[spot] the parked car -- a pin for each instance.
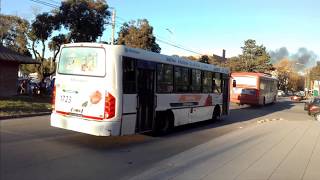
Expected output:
(290, 93)
(33, 88)
(281, 93)
(298, 96)
(313, 108)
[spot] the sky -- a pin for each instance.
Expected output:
(208, 26)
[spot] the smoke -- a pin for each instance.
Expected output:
(279, 54)
(303, 58)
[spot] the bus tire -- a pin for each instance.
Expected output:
(163, 123)
(216, 115)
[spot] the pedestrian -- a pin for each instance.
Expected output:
(23, 87)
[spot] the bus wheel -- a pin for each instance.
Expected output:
(216, 113)
(163, 124)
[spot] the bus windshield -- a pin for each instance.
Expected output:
(88, 61)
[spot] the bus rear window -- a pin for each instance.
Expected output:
(88, 61)
(248, 81)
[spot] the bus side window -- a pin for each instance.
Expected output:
(217, 83)
(129, 75)
(207, 82)
(181, 79)
(164, 78)
(195, 81)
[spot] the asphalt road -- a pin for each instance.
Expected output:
(31, 149)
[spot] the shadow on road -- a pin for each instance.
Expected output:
(237, 115)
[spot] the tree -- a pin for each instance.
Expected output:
(138, 34)
(85, 19)
(55, 44)
(204, 59)
(13, 33)
(254, 58)
(288, 77)
(233, 64)
(41, 29)
(315, 73)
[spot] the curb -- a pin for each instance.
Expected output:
(24, 115)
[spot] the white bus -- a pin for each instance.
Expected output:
(111, 90)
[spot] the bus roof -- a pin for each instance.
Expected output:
(261, 75)
(155, 57)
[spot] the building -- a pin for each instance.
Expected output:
(9, 67)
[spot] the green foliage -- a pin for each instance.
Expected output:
(138, 34)
(234, 64)
(254, 58)
(42, 27)
(47, 66)
(55, 44)
(85, 19)
(288, 78)
(204, 59)
(28, 68)
(315, 73)
(13, 33)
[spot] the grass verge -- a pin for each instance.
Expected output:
(24, 105)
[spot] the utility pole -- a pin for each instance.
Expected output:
(113, 25)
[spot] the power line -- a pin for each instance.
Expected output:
(160, 39)
(45, 3)
(123, 20)
(55, 2)
(179, 47)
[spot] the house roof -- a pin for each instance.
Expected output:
(9, 55)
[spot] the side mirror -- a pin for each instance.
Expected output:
(234, 83)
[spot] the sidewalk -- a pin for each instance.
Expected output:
(277, 150)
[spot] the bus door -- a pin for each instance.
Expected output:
(145, 96)
(225, 94)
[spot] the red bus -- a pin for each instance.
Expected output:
(253, 88)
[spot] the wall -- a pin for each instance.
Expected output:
(8, 78)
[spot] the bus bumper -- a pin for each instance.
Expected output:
(97, 128)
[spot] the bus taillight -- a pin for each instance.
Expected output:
(110, 105)
(53, 98)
